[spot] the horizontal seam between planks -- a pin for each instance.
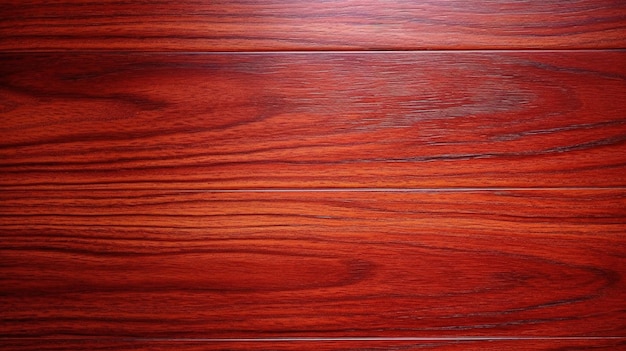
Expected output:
(307, 190)
(322, 339)
(304, 52)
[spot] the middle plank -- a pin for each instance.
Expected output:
(313, 120)
(171, 264)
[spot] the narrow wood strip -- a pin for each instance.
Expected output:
(310, 25)
(159, 264)
(452, 345)
(396, 120)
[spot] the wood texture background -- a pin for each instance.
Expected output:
(332, 175)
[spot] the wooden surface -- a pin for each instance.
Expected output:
(280, 120)
(310, 25)
(322, 175)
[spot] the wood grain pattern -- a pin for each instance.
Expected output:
(293, 175)
(451, 345)
(152, 264)
(234, 121)
(310, 25)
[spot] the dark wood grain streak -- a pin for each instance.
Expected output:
(237, 121)
(310, 25)
(452, 345)
(212, 265)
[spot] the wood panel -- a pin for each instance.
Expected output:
(293, 175)
(241, 121)
(310, 25)
(164, 264)
(617, 344)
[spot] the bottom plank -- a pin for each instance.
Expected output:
(616, 344)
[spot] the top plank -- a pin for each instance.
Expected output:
(283, 25)
(312, 120)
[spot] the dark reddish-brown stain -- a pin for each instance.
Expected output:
(335, 175)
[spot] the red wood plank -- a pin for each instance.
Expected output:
(451, 345)
(234, 121)
(189, 25)
(153, 264)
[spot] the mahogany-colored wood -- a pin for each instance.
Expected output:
(253, 175)
(293, 345)
(166, 264)
(191, 25)
(241, 121)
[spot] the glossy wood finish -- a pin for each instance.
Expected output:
(236, 121)
(310, 25)
(299, 175)
(161, 264)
